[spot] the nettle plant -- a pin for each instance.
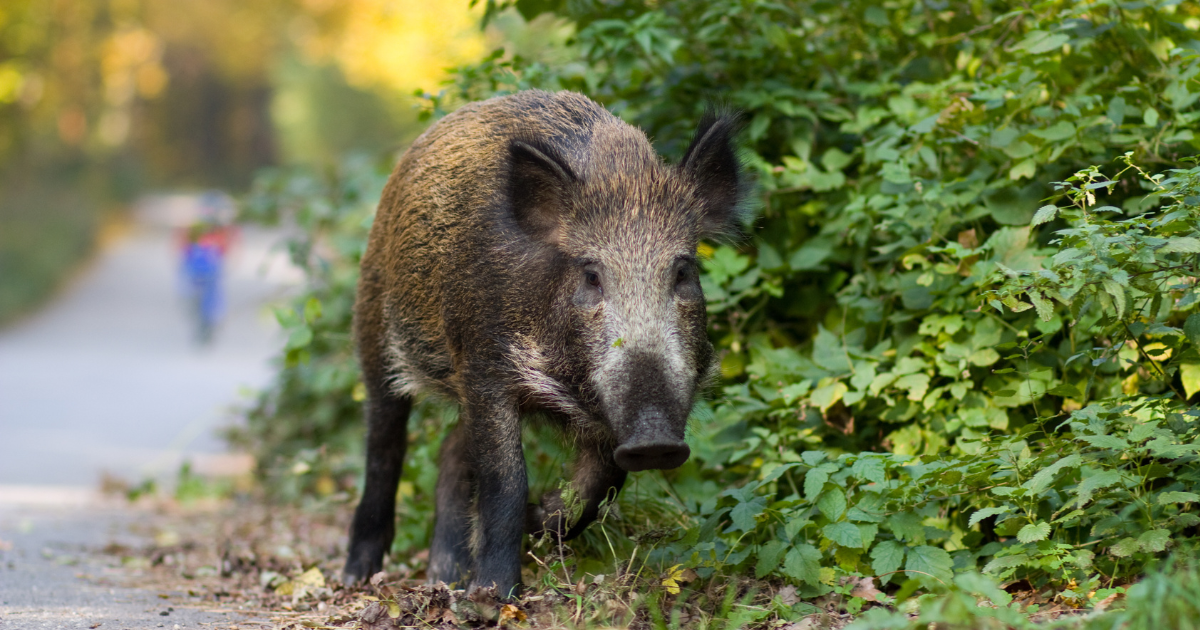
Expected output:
(1127, 284)
(1101, 483)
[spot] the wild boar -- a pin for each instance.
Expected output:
(533, 254)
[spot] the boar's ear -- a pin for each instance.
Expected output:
(538, 186)
(713, 164)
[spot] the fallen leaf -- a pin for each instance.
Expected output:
(299, 587)
(865, 588)
(508, 612)
(787, 595)
(811, 622)
(1105, 603)
(378, 578)
(967, 239)
(372, 613)
(677, 576)
(312, 578)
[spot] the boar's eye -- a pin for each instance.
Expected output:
(593, 280)
(687, 283)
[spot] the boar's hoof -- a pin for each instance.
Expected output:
(662, 454)
(360, 567)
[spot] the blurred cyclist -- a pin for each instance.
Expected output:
(204, 245)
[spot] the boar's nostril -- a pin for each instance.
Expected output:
(652, 455)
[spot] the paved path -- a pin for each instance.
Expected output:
(107, 378)
(51, 577)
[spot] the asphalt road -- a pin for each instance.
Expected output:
(52, 578)
(108, 378)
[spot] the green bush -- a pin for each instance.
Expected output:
(950, 343)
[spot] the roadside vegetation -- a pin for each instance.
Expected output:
(958, 342)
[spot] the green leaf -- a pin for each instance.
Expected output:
(1118, 295)
(1038, 42)
(1162, 447)
(926, 124)
(835, 159)
(932, 560)
(1155, 540)
(1059, 131)
(300, 338)
(1105, 441)
(825, 397)
(869, 468)
(725, 263)
(1150, 117)
(1005, 562)
(983, 357)
(769, 556)
(1034, 532)
(1178, 497)
(312, 310)
(1045, 309)
(1181, 244)
(810, 257)
(907, 526)
(983, 513)
(1098, 481)
(744, 514)
(1045, 214)
(1042, 479)
(830, 352)
(832, 503)
(1116, 110)
(1125, 547)
(814, 481)
(1191, 328)
(916, 384)
(1024, 168)
(844, 534)
(887, 556)
(803, 563)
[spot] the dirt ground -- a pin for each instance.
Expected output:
(242, 565)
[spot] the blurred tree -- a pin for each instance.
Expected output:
(105, 98)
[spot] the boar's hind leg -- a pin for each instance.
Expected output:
(374, 524)
(494, 434)
(596, 477)
(450, 551)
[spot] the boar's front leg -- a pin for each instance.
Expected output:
(374, 523)
(494, 431)
(596, 477)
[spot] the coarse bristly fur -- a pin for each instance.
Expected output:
(532, 253)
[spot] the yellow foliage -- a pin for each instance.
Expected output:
(1189, 373)
(399, 45)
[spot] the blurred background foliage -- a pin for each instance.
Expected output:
(101, 100)
(961, 334)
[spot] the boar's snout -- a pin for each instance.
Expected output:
(664, 454)
(651, 446)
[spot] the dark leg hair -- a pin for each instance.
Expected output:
(450, 551)
(494, 434)
(374, 524)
